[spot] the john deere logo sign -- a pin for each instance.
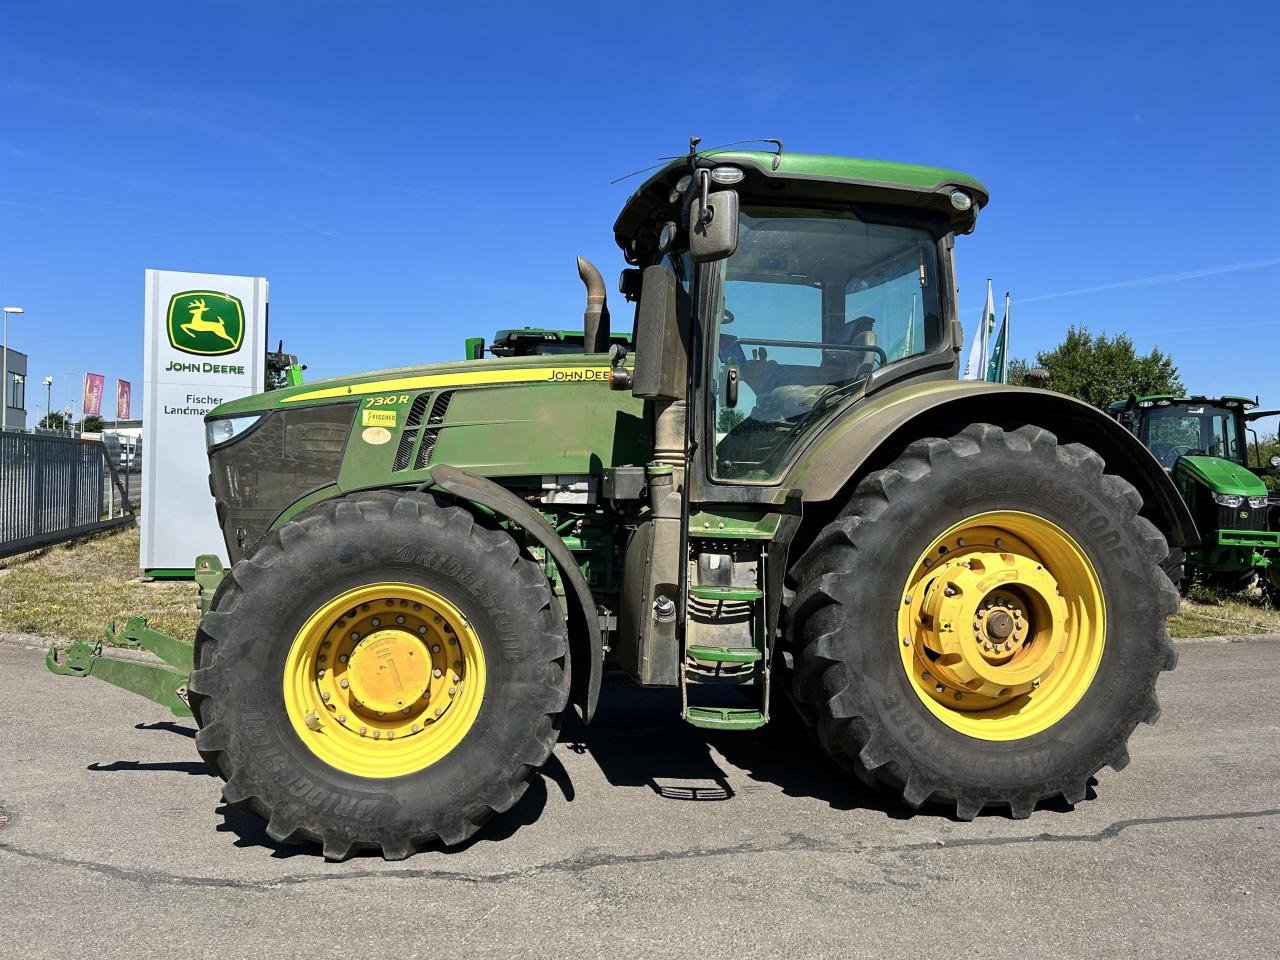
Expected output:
(205, 322)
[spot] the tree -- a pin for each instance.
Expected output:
(91, 424)
(1101, 369)
(53, 421)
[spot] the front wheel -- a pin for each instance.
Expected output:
(984, 622)
(380, 672)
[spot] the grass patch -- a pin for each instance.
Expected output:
(70, 592)
(1206, 612)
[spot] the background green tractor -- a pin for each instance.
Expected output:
(784, 489)
(1203, 443)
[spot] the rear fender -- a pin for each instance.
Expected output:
(874, 433)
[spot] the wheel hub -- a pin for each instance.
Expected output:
(1017, 627)
(389, 670)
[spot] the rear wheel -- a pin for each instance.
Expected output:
(380, 672)
(984, 623)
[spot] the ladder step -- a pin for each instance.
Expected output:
(725, 718)
(725, 593)
(723, 654)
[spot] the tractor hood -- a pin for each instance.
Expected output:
(533, 421)
(1221, 476)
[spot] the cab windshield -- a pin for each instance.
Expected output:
(812, 302)
(1187, 429)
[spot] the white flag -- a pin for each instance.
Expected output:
(976, 367)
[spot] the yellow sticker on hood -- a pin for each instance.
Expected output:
(378, 418)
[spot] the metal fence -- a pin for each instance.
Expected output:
(54, 489)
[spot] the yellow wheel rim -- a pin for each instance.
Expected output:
(384, 680)
(1001, 625)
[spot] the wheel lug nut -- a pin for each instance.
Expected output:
(342, 718)
(325, 696)
(319, 674)
(354, 635)
(363, 731)
(437, 672)
(906, 641)
(343, 658)
(376, 622)
(435, 648)
(343, 683)
(439, 711)
(938, 688)
(422, 630)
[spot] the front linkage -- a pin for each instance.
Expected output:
(164, 683)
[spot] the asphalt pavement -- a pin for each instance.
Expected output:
(643, 838)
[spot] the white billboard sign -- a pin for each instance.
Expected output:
(205, 344)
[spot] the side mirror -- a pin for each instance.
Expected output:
(713, 225)
(474, 348)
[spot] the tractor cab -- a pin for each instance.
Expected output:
(795, 286)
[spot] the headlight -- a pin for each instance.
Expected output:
(1275, 461)
(220, 431)
(1228, 499)
(961, 200)
(1258, 502)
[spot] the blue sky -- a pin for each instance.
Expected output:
(408, 175)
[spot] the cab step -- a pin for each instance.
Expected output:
(725, 593)
(725, 718)
(723, 654)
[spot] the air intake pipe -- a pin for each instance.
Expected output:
(595, 319)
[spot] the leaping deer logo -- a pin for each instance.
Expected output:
(198, 324)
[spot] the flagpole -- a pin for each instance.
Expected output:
(1008, 322)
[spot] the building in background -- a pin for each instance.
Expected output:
(15, 391)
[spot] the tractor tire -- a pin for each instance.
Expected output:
(1043, 548)
(447, 659)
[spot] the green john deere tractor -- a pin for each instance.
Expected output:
(1202, 443)
(782, 488)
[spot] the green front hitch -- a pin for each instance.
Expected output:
(163, 683)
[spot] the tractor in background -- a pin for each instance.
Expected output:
(1203, 443)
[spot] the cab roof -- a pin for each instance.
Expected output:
(1170, 398)
(801, 176)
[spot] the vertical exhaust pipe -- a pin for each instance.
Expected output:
(595, 319)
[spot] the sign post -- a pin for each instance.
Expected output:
(205, 344)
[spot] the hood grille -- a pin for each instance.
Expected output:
(421, 430)
(439, 410)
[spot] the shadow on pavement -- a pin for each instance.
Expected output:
(195, 768)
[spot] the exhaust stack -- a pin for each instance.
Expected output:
(595, 319)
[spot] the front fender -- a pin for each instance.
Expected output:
(873, 433)
(586, 645)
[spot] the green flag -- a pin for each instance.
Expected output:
(998, 365)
